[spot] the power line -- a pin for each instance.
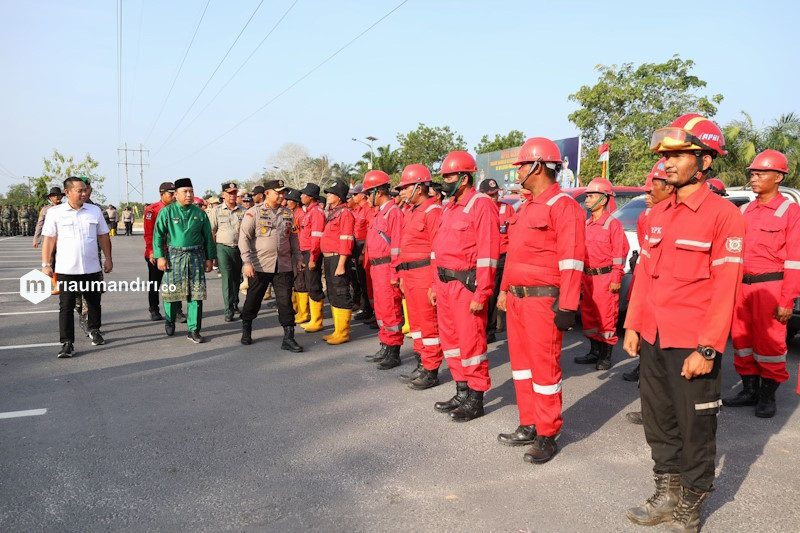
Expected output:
(7, 172)
(287, 89)
(178, 72)
(163, 144)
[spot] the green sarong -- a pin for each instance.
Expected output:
(186, 273)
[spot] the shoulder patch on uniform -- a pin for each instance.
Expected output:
(734, 245)
(249, 214)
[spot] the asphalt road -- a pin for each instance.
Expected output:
(149, 433)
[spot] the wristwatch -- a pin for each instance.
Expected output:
(707, 352)
(45, 265)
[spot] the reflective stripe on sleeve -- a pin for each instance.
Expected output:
(555, 198)
(395, 251)
(380, 322)
(619, 261)
(416, 334)
(472, 361)
(455, 352)
(547, 390)
(570, 264)
(521, 374)
(432, 207)
(782, 208)
(486, 263)
(473, 200)
(698, 244)
(791, 265)
(608, 222)
(644, 252)
(433, 341)
(316, 234)
(770, 358)
(346, 238)
(433, 255)
(727, 259)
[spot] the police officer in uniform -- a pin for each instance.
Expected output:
(269, 248)
(225, 221)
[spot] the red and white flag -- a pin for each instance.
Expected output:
(603, 152)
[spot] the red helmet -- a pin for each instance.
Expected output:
(457, 162)
(538, 149)
(199, 201)
(414, 174)
(770, 160)
(375, 178)
(717, 186)
(689, 132)
(601, 185)
(658, 173)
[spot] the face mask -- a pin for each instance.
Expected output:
(449, 188)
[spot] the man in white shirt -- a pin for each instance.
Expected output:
(74, 229)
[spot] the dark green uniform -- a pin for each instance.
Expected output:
(225, 224)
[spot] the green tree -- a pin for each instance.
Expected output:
(19, 194)
(501, 142)
(345, 171)
(385, 159)
(626, 105)
(428, 146)
(59, 167)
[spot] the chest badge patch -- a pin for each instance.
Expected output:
(734, 245)
(263, 230)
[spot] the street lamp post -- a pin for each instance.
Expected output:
(371, 139)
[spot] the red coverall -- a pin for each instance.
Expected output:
(419, 230)
(772, 244)
(468, 239)
(606, 246)
(150, 216)
(383, 249)
(547, 247)
(311, 231)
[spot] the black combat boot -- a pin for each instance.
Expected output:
(591, 357)
(766, 398)
(247, 331)
(747, 396)
(288, 340)
(425, 380)
(658, 508)
(633, 375)
(470, 409)
(543, 449)
(392, 358)
(522, 436)
(169, 328)
(604, 361)
(461, 394)
(686, 516)
(377, 356)
(408, 378)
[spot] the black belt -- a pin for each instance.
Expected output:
(597, 271)
(467, 278)
(537, 291)
(380, 261)
(329, 254)
(411, 265)
(759, 278)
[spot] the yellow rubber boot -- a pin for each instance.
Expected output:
(315, 323)
(406, 327)
(301, 316)
(294, 302)
(335, 325)
(342, 322)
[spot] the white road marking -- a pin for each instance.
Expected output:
(20, 346)
(30, 312)
(14, 261)
(9, 279)
(6, 239)
(17, 414)
(12, 292)
(571, 346)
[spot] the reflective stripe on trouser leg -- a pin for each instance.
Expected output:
(448, 334)
(471, 335)
(388, 306)
(759, 341)
(599, 309)
(520, 362)
(422, 317)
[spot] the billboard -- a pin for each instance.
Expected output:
(499, 165)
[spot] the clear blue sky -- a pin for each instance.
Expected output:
(478, 66)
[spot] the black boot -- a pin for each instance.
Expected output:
(155, 316)
(658, 508)
(766, 398)
(425, 380)
(591, 357)
(633, 375)
(247, 331)
(461, 394)
(686, 516)
(470, 409)
(169, 328)
(747, 396)
(543, 449)
(377, 356)
(408, 378)
(363, 315)
(522, 436)
(392, 358)
(288, 340)
(604, 361)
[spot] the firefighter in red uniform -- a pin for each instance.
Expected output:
(167, 192)
(717, 186)
(505, 211)
(464, 256)
(771, 282)
(680, 315)
(295, 205)
(310, 235)
(540, 292)
(383, 252)
(606, 250)
(419, 229)
(337, 246)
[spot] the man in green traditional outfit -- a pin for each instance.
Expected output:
(183, 228)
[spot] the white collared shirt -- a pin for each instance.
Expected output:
(76, 232)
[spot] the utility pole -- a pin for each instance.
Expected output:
(129, 186)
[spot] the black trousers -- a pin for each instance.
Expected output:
(67, 299)
(313, 278)
(282, 289)
(299, 279)
(338, 286)
(129, 228)
(491, 324)
(359, 275)
(153, 275)
(680, 415)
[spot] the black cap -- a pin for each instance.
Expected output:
(394, 193)
(247, 198)
(339, 188)
(293, 195)
(258, 189)
(55, 191)
(311, 189)
(228, 186)
(183, 182)
(275, 185)
(166, 186)
(488, 186)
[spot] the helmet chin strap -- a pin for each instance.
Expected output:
(533, 167)
(411, 195)
(591, 208)
(698, 156)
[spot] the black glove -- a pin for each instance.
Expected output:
(632, 261)
(564, 320)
